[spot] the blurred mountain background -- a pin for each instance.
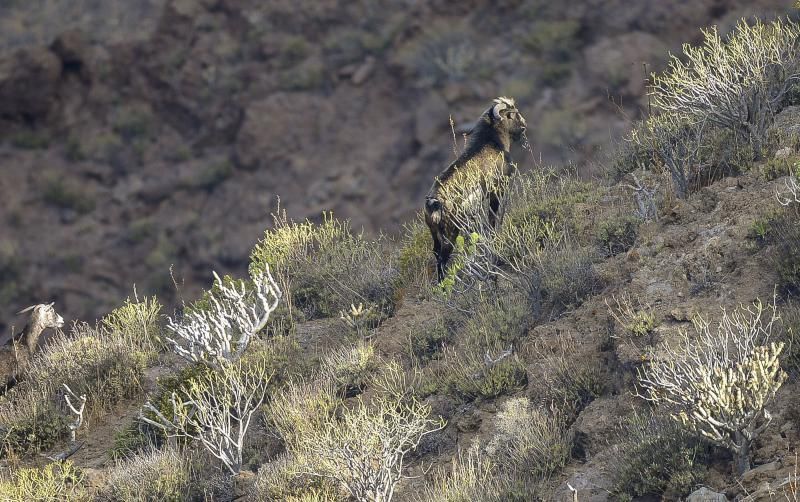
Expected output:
(141, 135)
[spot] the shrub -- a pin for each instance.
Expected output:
(133, 122)
(564, 277)
(101, 364)
(107, 366)
(30, 425)
(60, 481)
(415, 257)
(66, 193)
(282, 479)
(721, 383)
(556, 43)
(364, 448)
(427, 342)
(217, 410)
(137, 322)
(783, 235)
(444, 54)
(617, 235)
(658, 457)
(790, 317)
(472, 476)
(529, 440)
(349, 368)
(472, 375)
(569, 385)
(324, 269)
(217, 329)
(152, 475)
(636, 319)
(737, 83)
(30, 140)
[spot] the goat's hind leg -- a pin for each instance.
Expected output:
(445, 250)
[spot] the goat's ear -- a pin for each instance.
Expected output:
(27, 309)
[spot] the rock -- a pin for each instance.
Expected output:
(784, 153)
(597, 422)
(363, 72)
(762, 472)
(706, 495)
(28, 83)
(787, 124)
(282, 115)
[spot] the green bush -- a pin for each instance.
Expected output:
(473, 476)
(152, 475)
(658, 457)
(617, 235)
(469, 376)
(30, 140)
(30, 426)
(555, 42)
(444, 53)
(60, 481)
(282, 479)
(66, 193)
(530, 441)
(104, 365)
(350, 368)
(415, 257)
(497, 322)
(325, 268)
(137, 322)
(426, 343)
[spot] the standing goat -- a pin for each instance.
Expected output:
(17, 352)
(486, 155)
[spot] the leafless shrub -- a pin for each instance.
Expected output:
(216, 410)
(362, 448)
(222, 330)
(721, 382)
(736, 83)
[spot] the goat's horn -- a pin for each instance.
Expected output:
(496, 110)
(27, 309)
(501, 104)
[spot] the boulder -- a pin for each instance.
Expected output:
(706, 495)
(28, 82)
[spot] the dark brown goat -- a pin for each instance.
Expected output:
(489, 140)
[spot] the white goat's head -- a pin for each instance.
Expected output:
(44, 315)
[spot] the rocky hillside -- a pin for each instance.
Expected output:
(142, 135)
(629, 338)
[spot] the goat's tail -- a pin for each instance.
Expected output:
(434, 209)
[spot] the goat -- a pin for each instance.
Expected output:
(488, 143)
(17, 352)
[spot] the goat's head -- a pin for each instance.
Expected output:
(44, 315)
(506, 118)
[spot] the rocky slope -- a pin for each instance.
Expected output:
(140, 135)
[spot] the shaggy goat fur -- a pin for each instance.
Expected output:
(489, 141)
